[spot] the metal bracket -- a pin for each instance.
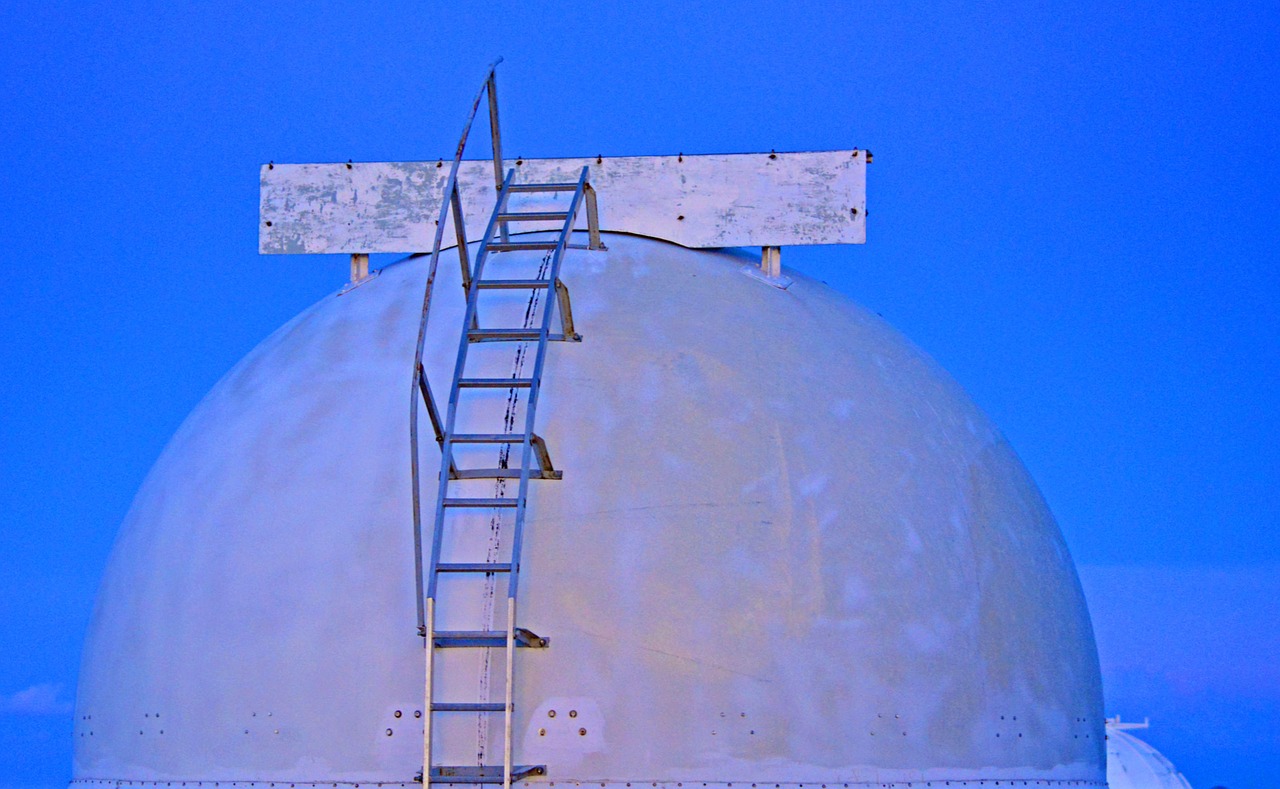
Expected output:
(770, 269)
(360, 273)
(771, 261)
(425, 388)
(593, 219)
(566, 313)
(544, 456)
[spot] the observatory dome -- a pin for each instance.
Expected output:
(787, 548)
(1133, 764)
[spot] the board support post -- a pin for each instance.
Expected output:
(771, 261)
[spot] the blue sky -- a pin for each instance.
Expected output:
(1072, 207)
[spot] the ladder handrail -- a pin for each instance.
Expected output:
(451, 186)
(450, 199)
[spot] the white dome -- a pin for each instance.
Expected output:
(786, 548)
(1133, 764)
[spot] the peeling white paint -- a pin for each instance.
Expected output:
(719, 200)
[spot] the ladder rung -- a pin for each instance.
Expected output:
(468, 706)
(533, 216)
(478, 335)
(495, 383)
(488, 438)
(516, 246)
(503, 334)
(473, 567)
(487, 638)
(515, 335)
(504, 473)
(484, 774)
(564, 187)
(494, 502)
(512, 284)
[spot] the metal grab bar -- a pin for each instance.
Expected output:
(452, 200)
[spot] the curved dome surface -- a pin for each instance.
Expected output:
(786, 548)
(1133, 764)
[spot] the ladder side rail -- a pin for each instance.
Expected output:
(509, 707)
(531, 408)
(451, 185)
(517, 537)
(473, 298)
(446, 450)
(414, 474)
(428, 691)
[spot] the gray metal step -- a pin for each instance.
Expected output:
(504, 473)
(504, 334)
(487, 502)
(563, 187)
(488, 438)
(495, 383)
(468, 706)
(473, 567)
(485, 774)
(513, 284)
(516, 246)
(488, 638)
(533, 216)
(515, 335)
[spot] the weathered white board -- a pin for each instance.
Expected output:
(722, 200)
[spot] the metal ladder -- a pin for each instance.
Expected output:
(534, 459)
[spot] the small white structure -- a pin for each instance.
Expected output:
(1133, 764)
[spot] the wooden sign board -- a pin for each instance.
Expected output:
(721, 200)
